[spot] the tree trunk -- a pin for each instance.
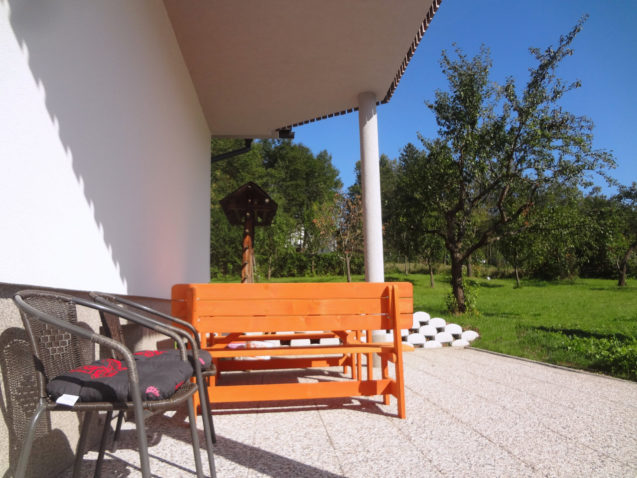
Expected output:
(431, 275)
(624, 266)
(622, 276)
(406, 266)
(348, 271)
(456, 282)
(517, 277)
(469, 267)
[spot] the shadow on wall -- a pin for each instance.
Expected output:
(51, 446)
(110, 82)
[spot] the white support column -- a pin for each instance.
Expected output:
(370, 181)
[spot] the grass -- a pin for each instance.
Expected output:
(589, 324)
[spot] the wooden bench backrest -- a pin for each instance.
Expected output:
(291, 307)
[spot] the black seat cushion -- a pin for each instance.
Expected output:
(107, 380)
(173, 354)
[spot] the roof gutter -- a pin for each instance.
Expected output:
(220, 157)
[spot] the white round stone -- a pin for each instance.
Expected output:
(300, 342)
(432, 344)
(380, 336)
(470, 335)
(438, 323)
(460, 343)
(330, 341)
(453, 329)
(267, 343)
(444, 337)
(416, 339)
(421, 317)
(428, 331)
(404, 332)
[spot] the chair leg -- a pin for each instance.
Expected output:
(118, 428)
(100, 456)
(142, 440)
(208, 425)
(81, 443)
(206, 395)
(192, 419)
(21, 469)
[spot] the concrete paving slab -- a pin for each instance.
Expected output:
(580, 422)
(469, 413)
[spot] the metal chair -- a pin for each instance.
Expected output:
(59, 345)
(186, 330)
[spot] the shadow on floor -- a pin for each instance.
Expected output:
(585, 333)
(247, 456)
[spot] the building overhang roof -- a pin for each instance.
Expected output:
(263, 66)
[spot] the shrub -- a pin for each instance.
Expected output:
(471, 288)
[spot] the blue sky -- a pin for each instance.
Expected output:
(605, 61)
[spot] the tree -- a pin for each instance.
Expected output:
(516, 251)
(274, 241)
(295, 178)
(340, 223)
(559, 234)
(391, 214)
(604, 238)
(409, 223)
(497, 148)
(302, 181)
(625, 242)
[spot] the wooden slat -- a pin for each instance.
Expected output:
(297, 323)
(178, 291)
(311, 350)
(298, 391)
(303, 335)
(293, 306)
(349, 290)
(281, 363)
(178, 309)
(400, 387)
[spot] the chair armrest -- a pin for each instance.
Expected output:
(174, 332)
(109, 300)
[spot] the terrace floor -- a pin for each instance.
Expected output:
(469, 413)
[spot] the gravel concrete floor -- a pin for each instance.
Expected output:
(469, 413)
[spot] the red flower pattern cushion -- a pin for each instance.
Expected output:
(107, 380)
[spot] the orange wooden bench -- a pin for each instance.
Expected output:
(226, 315)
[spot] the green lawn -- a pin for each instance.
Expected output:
(589, 324)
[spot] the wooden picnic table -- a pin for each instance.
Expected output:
(229, 314)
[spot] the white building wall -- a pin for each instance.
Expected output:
(104, 150)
